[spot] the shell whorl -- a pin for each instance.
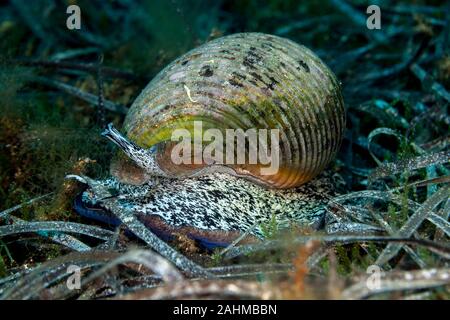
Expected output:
(247, 80)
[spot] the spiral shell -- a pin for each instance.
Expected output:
(246, 80)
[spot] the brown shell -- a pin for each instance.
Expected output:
(246, 80)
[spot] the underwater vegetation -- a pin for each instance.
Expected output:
(59, 88)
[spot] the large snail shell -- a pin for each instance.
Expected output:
(247, 80)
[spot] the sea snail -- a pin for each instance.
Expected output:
(241, 81)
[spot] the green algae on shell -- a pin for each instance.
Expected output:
(242, 81)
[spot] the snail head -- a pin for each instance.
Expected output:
(140, 166)
(145, 159)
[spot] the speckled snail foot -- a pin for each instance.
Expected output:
(240, 81)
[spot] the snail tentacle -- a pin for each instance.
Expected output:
(144, 158)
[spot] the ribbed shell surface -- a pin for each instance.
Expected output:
(248, 80)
